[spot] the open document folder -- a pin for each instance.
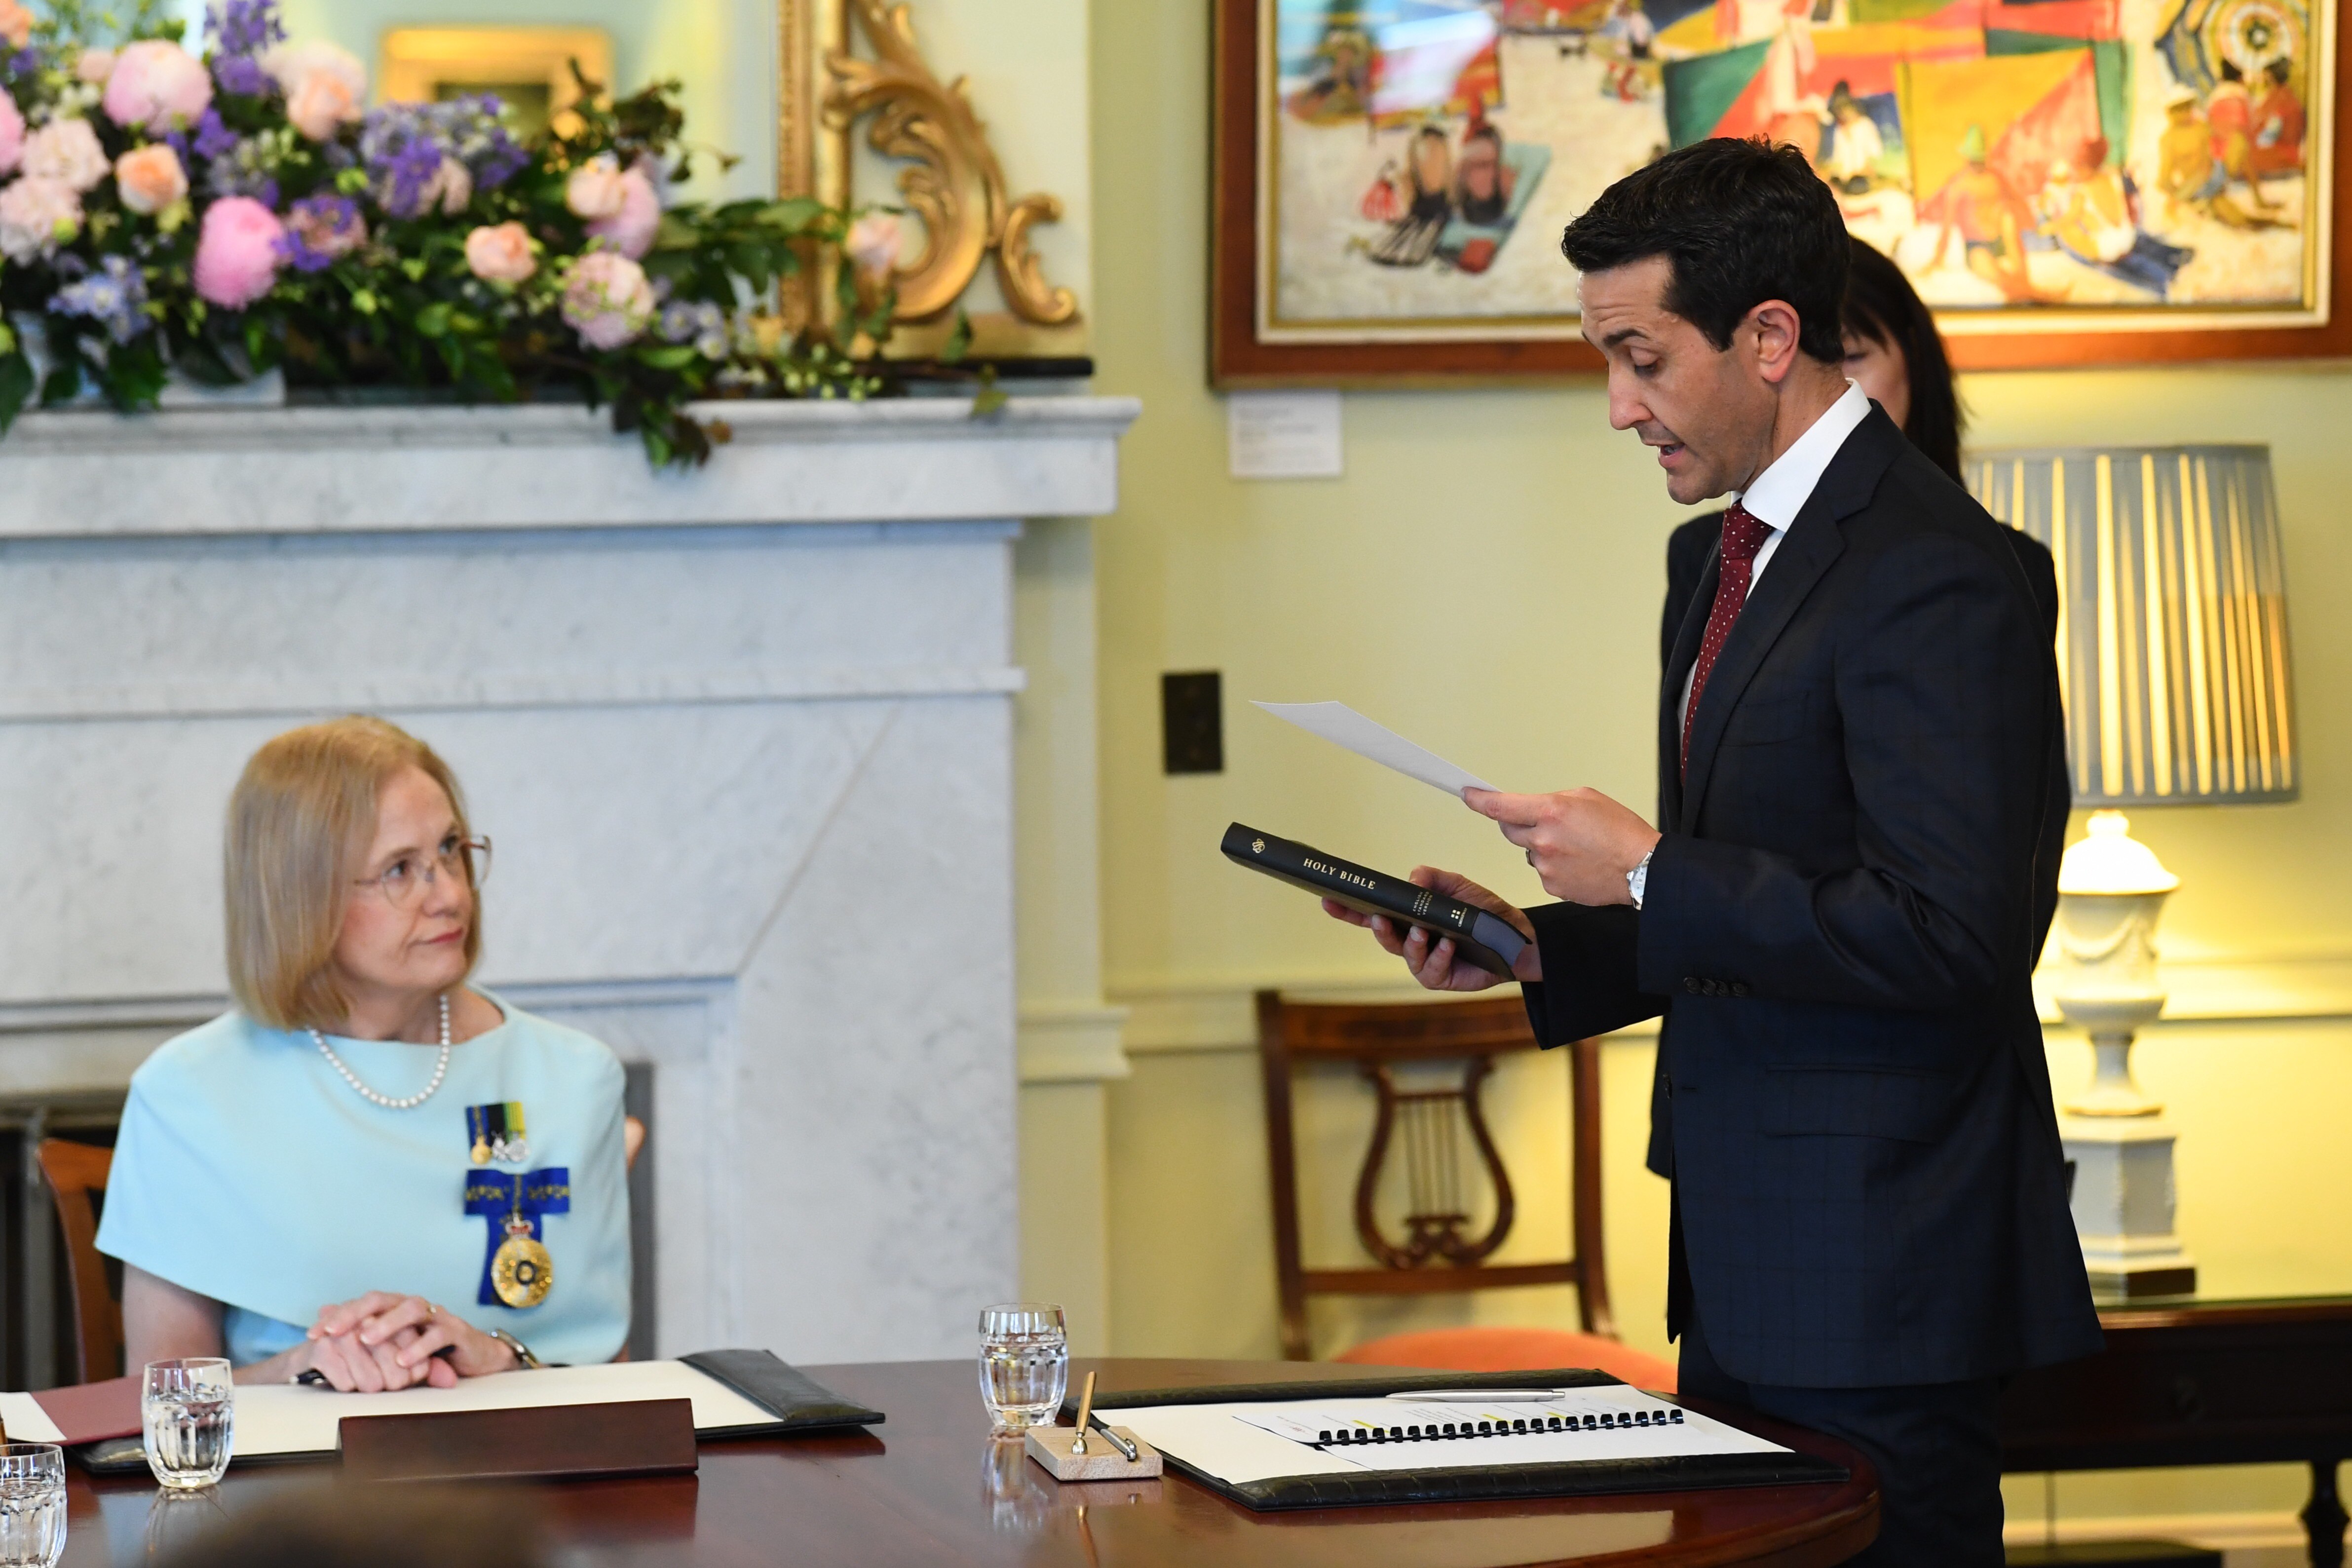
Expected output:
(1408, 1438)
(285, 1420)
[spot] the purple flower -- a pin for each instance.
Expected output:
(244, 28)
(318, 230)
(114, 296)
(404, 145)
(213, 138)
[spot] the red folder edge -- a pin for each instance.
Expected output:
(93, 1412)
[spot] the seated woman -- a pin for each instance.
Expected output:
(368, 1169)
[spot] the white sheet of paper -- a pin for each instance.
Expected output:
(26, 1421)
(293, 1418)
(1343, 726)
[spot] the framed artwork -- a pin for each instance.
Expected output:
(2067, 181)
(530, 69)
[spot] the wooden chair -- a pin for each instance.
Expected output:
(76, 1170)
(1436, 1253)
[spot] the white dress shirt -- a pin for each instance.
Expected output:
(1781, 490)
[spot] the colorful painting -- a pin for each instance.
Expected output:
(2033, 165)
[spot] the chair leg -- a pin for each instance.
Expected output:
(2323, 1516)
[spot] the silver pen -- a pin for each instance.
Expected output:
(1128, 1450)
(1480, 1396)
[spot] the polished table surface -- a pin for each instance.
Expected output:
(930, 1487)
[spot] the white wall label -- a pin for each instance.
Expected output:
(1283, 435)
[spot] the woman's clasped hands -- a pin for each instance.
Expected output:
(384, 1340)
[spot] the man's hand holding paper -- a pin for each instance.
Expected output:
(1580, 842)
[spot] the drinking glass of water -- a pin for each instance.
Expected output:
(186, 1407)
(32, 1504)
(1025, 1363)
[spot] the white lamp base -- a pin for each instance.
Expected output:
(2123, 1206)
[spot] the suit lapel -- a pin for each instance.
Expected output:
(1670, 693)
(1812, 542)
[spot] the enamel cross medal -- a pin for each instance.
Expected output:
(517, 1271)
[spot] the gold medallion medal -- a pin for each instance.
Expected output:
(481, 1150)
(521, 1272)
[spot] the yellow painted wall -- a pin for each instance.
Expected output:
(1486, 578)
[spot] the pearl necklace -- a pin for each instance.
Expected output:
(440, 1068)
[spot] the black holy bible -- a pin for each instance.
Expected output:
(1485, 940)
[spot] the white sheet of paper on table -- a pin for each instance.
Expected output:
(291, 1418)
(1343, 726)
(1253, 1442)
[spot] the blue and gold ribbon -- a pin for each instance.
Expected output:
(498, 1197)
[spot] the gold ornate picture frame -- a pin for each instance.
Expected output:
(855, 68)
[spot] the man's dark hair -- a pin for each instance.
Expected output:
(1881, 305)
(1739, 223)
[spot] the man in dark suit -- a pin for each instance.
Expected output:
(1840, 910)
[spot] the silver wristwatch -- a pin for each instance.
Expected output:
(1637, 880)
(524, 1359)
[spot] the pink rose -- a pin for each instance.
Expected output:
(12, 134)
(320, 106)
(607, 299)
(37, 216)
(500, 253)
(150, 178)
(67, 151)
(630, 229)
(872, 246)
(94, 67)
(236, 252)
(594, 189)
(157, 86)
(324, 85)
(15, 23)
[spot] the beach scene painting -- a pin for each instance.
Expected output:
(2033, 165)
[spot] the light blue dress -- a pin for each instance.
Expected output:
(249, 1172)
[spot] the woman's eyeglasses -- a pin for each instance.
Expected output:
(402, 883)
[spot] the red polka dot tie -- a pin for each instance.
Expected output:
(1743, 535)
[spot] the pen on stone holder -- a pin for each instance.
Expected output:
(1128, 1450)
(1086, 1413)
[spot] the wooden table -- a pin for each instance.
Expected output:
(2200, 1382)
(929, 1487)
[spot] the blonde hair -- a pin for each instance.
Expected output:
(300, 820)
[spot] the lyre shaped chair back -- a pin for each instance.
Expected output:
(1423, 1128)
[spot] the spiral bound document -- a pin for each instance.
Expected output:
(1447, 1437)
(1336, 1436)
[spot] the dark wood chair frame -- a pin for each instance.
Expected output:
(1373, 1038)
(74, 1172)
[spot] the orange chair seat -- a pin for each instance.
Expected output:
(1514, 1350)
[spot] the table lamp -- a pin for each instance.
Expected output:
(2172, 665)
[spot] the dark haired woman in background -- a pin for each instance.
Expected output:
(1893, 354)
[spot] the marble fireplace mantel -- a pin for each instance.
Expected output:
(743, 736)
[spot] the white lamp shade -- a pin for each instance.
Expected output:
(2172, 615)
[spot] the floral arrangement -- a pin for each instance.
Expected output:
(218, 217)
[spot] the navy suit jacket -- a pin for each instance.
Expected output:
(1839, 928)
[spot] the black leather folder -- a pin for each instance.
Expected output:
(799, 1403)
(1590, 1478)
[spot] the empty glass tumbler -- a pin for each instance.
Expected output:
(187, 1407)
(32, 1504)
(1025, 1363)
